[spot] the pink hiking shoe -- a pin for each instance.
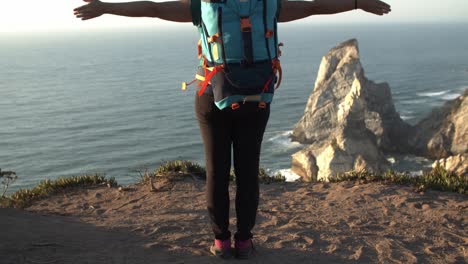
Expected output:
(221, 248)
(244, 249)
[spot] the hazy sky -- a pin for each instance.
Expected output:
(52, 15)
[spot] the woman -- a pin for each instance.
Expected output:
(236, 78)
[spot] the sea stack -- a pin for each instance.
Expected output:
(444, 132)
(349, 121)
(325, 112)
(443, 136)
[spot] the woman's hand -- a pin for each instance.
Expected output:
(374, 6)
(94, 9)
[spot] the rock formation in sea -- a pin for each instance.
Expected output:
(341, 78)
(444, 132)
(443, 135)
(348, 121)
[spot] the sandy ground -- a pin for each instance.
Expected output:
(297, 223)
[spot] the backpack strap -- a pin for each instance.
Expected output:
(247, 42)
(268, 32)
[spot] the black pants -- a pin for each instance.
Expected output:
(242, 129)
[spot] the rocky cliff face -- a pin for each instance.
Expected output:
(443, 135)
(350, 121)
(457, 164)
(326, 110)
(346, 121)
(344, 153)
(444, 132)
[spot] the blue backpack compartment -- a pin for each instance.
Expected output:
(239, 39)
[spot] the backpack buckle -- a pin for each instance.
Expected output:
(246, 24)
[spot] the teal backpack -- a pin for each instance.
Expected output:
(238, 50)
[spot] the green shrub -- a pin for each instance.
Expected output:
(443, 180)
(25, 197)
(436, 179)
(263, 177)
(184, 167)
(180, 167)
(7, 178)
(5, 202)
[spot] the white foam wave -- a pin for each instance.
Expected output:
(404, 117)
(414, 101)
(283, 139)
(416, 173)
(281, 134)
(288, 174)
(433, 94)
(450, 96)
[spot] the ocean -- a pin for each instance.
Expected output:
(110, 102)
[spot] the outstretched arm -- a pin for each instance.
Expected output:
(294, 10)
(177, 11)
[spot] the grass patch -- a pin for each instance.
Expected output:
(178, 167)
(25, 197)
(266, 178)
(263, 177)
(437, 179)
(5, 202)
(189, 168)
(174, 168)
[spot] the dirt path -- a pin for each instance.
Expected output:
(297, 223)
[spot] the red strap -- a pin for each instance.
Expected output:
(199, 49)
(267, 84)
(208, 77)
